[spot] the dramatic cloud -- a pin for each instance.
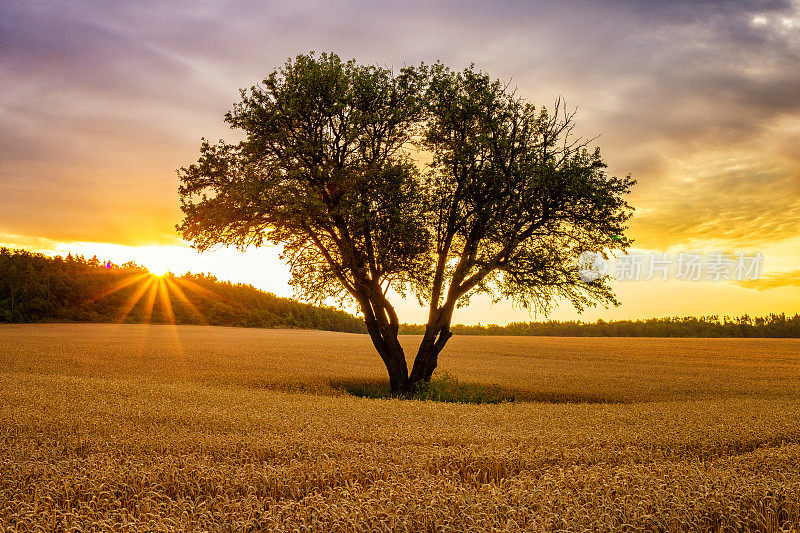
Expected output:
(774, 281)
(101, 101)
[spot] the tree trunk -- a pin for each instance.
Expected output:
(397, 368)
(383, 327)
(436, 336)
(391, 352)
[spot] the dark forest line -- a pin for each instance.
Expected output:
(745, 326)
(38, 288)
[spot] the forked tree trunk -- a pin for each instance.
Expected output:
(385, 339)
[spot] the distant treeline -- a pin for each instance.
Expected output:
(773, 325)
(37, 288)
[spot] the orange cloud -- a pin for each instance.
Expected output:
(773, 281)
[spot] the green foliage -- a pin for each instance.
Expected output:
(447, 388)
(514, 197)
(443, 388)
(36, 288)
(323, 171)
(329, 168)
(508, 202)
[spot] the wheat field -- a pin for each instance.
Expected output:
(163, 428)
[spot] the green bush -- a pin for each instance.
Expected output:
(443, 388)
(447, 388)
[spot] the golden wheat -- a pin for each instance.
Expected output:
(136, 428)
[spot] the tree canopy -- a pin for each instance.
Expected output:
(331, 168)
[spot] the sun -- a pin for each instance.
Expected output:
(158, 271)
(157, 290)
(157, 264)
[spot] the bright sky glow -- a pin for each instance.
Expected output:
(100, 103)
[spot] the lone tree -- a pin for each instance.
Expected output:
(330, 169)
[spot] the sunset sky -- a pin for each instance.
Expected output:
(101, 102)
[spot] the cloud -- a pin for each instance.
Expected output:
(100, 101)
(773, 281)
(721, 199)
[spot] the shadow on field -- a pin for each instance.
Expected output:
(564, 397)
(446, 388)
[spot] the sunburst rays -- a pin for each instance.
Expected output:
(174, 287)
(150, 299)
(166, 304)
(130, 280)
(140, 290)
(157, 291)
